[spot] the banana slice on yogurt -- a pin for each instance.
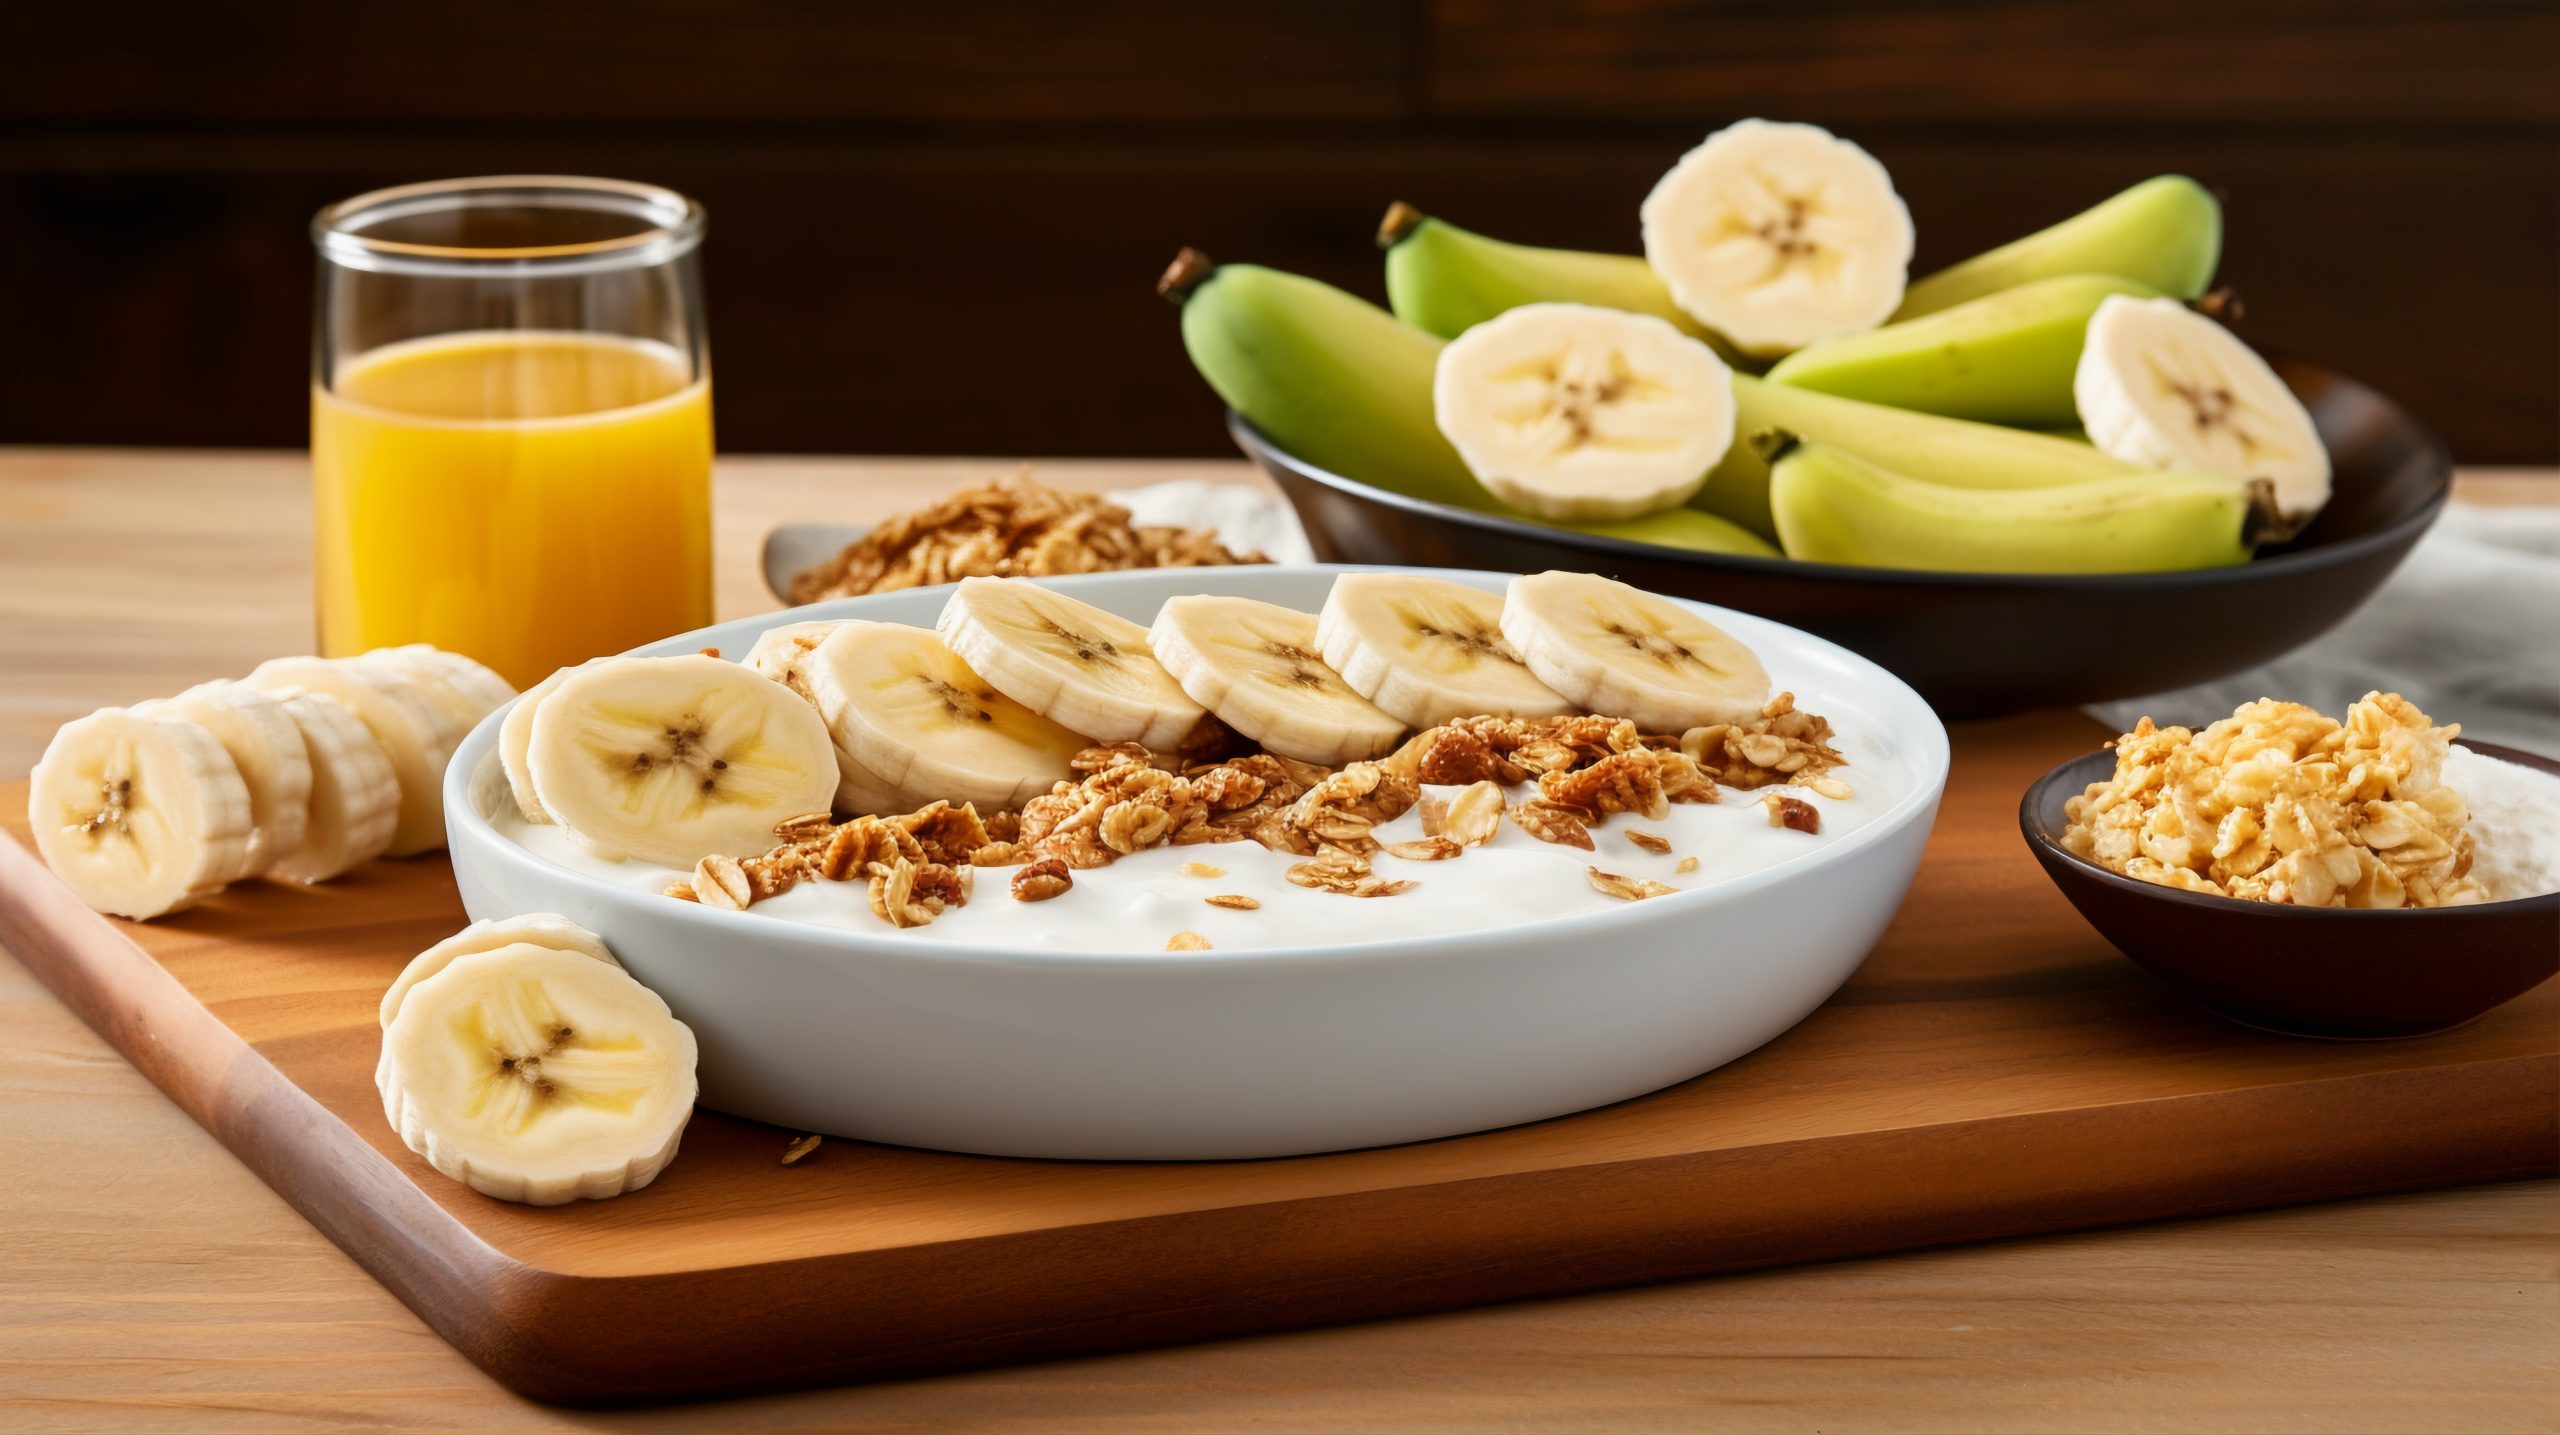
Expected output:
(1086, 670)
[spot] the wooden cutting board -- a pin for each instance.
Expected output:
(1995, 1069)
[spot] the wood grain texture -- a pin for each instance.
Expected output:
(147, 1282)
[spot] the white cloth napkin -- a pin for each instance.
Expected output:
(2468, 629)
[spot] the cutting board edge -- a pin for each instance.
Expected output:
(795, 1323)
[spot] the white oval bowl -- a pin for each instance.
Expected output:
(1213, 1055)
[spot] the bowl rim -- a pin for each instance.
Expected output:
(2274, 567)
(1928, 745)
(2048, 846)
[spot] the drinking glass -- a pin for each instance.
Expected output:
(511, 420)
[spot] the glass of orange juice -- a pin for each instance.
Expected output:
(511, 420)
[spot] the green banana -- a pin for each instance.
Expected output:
(2005, 358)
(1955, 452)
(1835, 507)
(1338, 382)
(1446, 280)
(2164, 232)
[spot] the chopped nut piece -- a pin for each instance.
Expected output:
(1041, 881)
(1791, 812)
(1658, 846)
(998, 854)
(1550, 823)
(1335, 871)
(1186, 942)
(720, 882)
(1201, 869)
(1626, 889)
(1620, 782)
(681, 891)
(709, 652)
(1783, 744)
(1374, 887)
(804, 826)
(1686, 864)
(1453, 757)
(1474, 814)
(1234, 902)
(1435, 814)
(894, 899)
(793, 1153)
(945, 833)
(1428, 849)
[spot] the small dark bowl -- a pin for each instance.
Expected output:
(1974, 644)
(2305, 971)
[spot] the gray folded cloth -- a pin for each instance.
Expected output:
(2468, 629)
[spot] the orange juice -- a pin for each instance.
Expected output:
(533, 499)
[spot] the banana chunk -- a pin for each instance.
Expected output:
(416, 731)
(911, 718)
(1779, 235)
(1622, 652)
(355, 796)
(139, 815)
(779, 652)
(1256, 665)
(266, 747)
(2162, 386)
(537, 1075)
(1427, 651)
(549, 930)
(1573, 412)
(669, 760)
(1086, 670)
(464, 687)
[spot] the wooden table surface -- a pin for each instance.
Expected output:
(148, 1282)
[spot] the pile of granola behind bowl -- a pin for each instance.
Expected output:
(1011, 528)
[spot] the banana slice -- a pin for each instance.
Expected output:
(2163, 386)
(779, 652)
(266, 747)
(1623, 652)
(548, 930)
(1573, 412)
(515, 739)
(1256, 666)
(1086, 670)
(417, 733)
(1779, 235)
(1427, 650)
(670, 760)
(909, 714)
(139, 815)
(536, 1075)
(355, 794)
(465, 688)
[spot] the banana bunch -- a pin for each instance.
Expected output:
(299, 772)
(1632, 395)
(521, 1060)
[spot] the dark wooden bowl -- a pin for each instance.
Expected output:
(2305, 971)
(1975, 644)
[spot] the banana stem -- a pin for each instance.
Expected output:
(1773, 444)
(2223, 306)
(1185, 273)
(1402, 219)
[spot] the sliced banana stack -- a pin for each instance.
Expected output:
(1779, 235)
(139, 815)
(355, 796)
(1086, 670)
(1258, 667)
(670, 760)
(1427, 651)
(1575, 412)
(1623, 652)
(417, 732)
(515, 741)
(538, 1075)
(267, 748)
(908, 714)
(2162, 386)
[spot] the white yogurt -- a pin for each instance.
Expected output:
(1137, 903)
(2515, 823)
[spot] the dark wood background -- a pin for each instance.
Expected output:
(935, 226)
